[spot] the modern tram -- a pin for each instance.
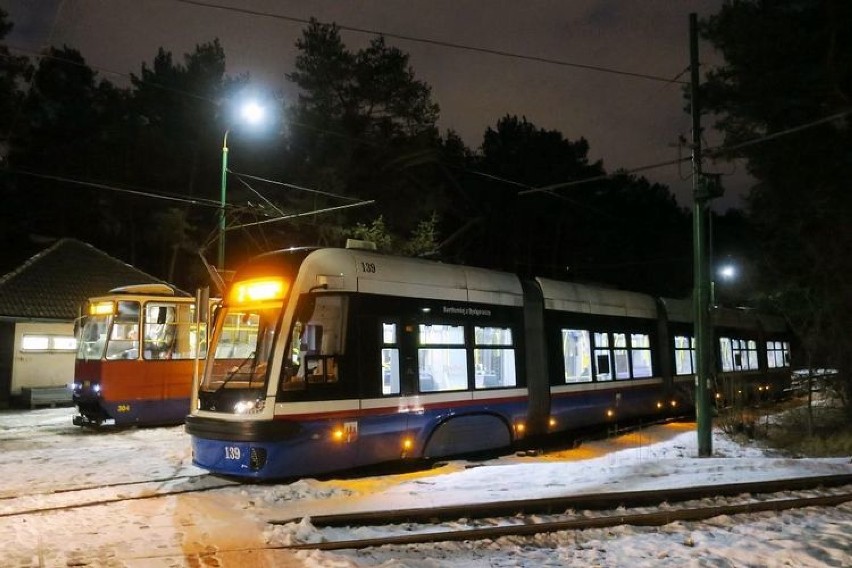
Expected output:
(138, 349)
(330, 359)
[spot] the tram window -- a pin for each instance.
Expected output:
(170, 332)
(622, 365)
(576, 353)
(726, 354)
(777, 354)
(751, 350)
(390, 359)
(684, 355)
(494, 358)
(160, 330)
(124, 338)
(602, 357)
(738, 354)
(442, 358)
(640, 354)
(316, 343)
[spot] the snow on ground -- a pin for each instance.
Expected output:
(46, 462)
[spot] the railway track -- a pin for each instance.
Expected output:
(90, 496)
(518, 518)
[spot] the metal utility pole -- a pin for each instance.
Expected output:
(701, 294)
(220, 262)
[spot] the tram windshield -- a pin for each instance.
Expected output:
(242, 345)
(111, 330)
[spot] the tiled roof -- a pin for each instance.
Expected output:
(55, 282)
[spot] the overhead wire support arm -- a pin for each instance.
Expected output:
(305, 214)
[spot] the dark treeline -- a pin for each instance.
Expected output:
(136, 171)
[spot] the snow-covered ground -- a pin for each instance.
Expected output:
(47, 464)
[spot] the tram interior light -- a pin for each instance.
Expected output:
(102, 309)
(259, 290)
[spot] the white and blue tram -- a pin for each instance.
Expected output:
(329, 359)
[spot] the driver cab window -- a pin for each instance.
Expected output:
(124, 336)
(316, 342)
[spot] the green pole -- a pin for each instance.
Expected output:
(221, 259)
(701, 294)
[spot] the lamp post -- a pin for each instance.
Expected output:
(251, 113)
(221, 257)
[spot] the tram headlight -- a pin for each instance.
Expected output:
(249, 406)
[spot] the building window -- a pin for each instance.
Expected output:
(48, 342)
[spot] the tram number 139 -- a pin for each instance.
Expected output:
(232, 453)
(368, 267)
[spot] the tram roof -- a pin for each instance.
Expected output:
(376, 273)
(586, 299)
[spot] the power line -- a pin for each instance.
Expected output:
(293, 186)
(439, 43)
(718, 151)
(136, 192)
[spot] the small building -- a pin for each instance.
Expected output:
(40, 304)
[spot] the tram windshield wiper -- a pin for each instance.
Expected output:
(234, 372)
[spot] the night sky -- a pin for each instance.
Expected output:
(629, 122)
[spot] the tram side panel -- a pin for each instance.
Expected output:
(426, 390)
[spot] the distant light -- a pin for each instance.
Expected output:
(728, 272)
(253, 113)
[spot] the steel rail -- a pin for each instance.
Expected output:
(558, 505)
(641, 519)
(110, 500)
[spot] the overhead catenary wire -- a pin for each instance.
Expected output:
(714, 152)
(304, 214)
(435, 42)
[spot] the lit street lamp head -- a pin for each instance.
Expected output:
(728, 272)
(253, 114)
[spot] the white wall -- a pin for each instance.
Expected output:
(32, 369)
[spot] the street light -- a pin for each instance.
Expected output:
(251, 113)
